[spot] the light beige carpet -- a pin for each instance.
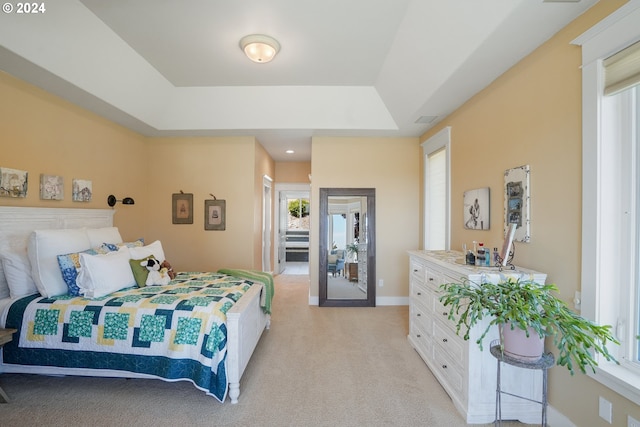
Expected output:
(314, 367)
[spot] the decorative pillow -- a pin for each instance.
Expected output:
(98, 236)
(43, 249)
(70, 265)
(332, 259)
(17, 270)
(101, 275)
(154, 249)
(135, 244)
(140, 273)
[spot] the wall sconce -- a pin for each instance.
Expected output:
(111, 201)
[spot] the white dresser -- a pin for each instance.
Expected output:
(466, 373)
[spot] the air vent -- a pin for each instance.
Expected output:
(426, 119)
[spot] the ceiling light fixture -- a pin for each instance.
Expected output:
(289, 151)
(259, 48)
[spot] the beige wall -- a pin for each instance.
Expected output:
(293, 172)
(40, 133)
(391, 166)
(532, 115)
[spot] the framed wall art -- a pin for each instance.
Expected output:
(182, 208)
(215, 214)
(13, 182)
(81, 190)
(51, 187)
(517, 202)
(476, 209)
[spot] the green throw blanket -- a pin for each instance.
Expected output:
(256, 276)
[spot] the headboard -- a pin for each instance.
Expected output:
(17, 223)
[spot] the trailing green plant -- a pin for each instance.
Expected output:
(299, 208)
(526, 304)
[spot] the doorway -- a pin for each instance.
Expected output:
(291, 253)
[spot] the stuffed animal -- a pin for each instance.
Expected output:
(157, 275)
(170, 272)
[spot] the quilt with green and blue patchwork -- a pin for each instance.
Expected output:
(175, 332)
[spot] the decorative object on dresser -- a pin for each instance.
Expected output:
(531, 308)
(466, 373)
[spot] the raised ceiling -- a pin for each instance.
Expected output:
(346, 67)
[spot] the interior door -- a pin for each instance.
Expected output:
(282, 231)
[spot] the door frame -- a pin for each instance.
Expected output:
(286, 189)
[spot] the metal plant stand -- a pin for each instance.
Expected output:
(544, 363)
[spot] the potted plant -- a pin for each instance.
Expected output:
(530, 307)
(352, 250)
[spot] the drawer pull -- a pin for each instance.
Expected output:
(418, 314)
(444, 340)
(444, 366)
(431, 279)
(419, 293)
(415, 270)
(418, 336)
(444, 313)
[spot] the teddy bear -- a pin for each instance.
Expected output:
(170, 272)
(157, 274)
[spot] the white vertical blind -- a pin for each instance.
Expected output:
(437, 190)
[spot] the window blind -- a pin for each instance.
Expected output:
(622, 70)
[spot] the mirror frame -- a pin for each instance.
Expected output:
(370, 194)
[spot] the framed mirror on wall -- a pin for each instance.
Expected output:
(347, 247)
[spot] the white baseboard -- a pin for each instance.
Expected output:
(556, 419)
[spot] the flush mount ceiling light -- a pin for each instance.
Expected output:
(259, 48)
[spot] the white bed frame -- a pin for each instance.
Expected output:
(245, 320)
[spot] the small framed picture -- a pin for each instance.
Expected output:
(13, 182)
(51, 187)
(214, 214)
(182, 208)
(81, 190)
(476, 209)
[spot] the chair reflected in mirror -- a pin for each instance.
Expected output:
(335, 262)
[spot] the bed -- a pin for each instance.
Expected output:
(202, 327)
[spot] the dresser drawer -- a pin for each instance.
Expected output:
(433, 279)
(421, 294)
(418, 271)
(450, 374)
(420, 332)
(450, 343)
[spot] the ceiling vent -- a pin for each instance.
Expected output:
(426, 119)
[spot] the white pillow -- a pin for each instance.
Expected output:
(4, 286)
(98, 236)
(43, 250)
(17, 270)
(101, 275)
(154, 249)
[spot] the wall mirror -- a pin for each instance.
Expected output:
(347, 247)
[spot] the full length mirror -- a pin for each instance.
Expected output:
(347, 247)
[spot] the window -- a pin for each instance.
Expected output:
(610, 185)
(436, 184)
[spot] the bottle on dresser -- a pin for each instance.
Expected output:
(481, 255)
